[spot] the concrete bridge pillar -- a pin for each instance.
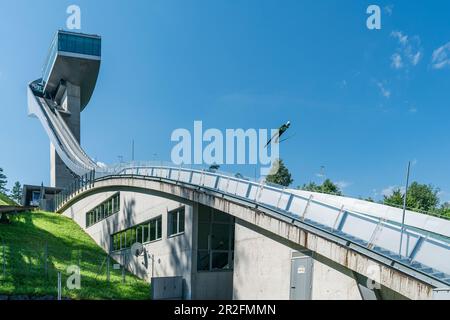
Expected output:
(68, 97)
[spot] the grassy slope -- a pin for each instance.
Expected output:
(5, 201)
(68, 244)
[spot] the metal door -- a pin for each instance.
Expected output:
(301, 278)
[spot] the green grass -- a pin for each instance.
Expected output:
(25, 241)
(5, 201)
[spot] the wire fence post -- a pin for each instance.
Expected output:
(46, 259)
(108, 268)
(3, 259)
(123, 268)
(80, 255)
(59, 285)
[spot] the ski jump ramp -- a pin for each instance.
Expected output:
(349, 232)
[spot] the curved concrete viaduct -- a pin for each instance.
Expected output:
(331, 248)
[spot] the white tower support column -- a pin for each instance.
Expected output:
(60, 174)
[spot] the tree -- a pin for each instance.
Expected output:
(279, 174)
(3, 182)
(444, 210)
(327, 187)
(16, 193)
(394, 199)
(330, 188)
(420, 197)
(312, 186)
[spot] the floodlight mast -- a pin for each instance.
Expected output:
(404, 208)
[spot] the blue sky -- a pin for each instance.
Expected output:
(362, 102)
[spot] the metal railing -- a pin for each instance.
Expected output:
(429, 213)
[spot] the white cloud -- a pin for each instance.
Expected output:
(389, 9)
(413, 110)
(390, 189)
(441, 57)
(397, 61)
(444, 196)
(409, 50)
(384, 92)
(101, 164)
(402, 38)
(415, 59)
(343, 184)
(375, 193)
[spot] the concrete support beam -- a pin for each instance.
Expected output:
(367, 292)
(60, 175)
(71, 103)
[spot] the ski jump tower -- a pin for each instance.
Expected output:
(68, 80)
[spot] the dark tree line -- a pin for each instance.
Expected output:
(420, 197)
(16, 192)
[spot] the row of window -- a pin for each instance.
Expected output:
(215, 236)
(103, 210)
(142, 233)
(175, 222)
(79, 44)
(150, 231)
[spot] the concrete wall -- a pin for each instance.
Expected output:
(261, 266)
(262, 270)
(60, 175)
(71, 102)
(216, 285)
(172, 255)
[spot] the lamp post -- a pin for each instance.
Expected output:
(404, 208)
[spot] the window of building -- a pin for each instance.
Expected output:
(103, 210)
(79, 44)
(215, 240)
(159, 228)
(152, 228)
(142, 233)
(175, 222)
(145, 233)
(139, 234)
